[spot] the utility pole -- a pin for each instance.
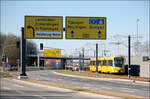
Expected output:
(96, 57)
(129, 56)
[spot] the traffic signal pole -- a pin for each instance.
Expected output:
(23, 56)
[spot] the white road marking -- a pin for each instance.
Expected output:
(6, 88)
(105, 88)
(128, 90)
(39, 96)
(20, 92)
(19, 86)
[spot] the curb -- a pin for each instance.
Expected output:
(134, 81)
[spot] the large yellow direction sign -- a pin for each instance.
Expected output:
(48, 52)
(57, 52)
(85, 27)
(52, 52)
(43, 27)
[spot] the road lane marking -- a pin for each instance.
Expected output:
(105, 88)
(6, 88)
(19, 86)
(20, 92)
(128, 90)
(39, 96)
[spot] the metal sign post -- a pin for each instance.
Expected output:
(18, 63)
(23, 56)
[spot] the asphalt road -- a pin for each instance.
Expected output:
(15, 89)
(117, 86)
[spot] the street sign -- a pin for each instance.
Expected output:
(57, 52)
(48, 52)
(43, 27)
(52, 52)
(85, 27)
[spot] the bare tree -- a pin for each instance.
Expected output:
(2, 40)
(31, 48)
(8, 48)
(144, 48)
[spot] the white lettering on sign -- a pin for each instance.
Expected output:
(96, 21)
(48, 34)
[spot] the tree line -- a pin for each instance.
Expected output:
(8, 47)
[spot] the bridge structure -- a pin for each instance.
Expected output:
(40, 60)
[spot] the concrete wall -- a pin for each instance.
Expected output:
(144, 66)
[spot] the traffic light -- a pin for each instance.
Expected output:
(18, 44)
(4, 59)
(41, 46)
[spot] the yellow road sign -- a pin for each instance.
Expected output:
(85, 27)
(57, 52)
(52, 52)
(48, 52)
(43, 27)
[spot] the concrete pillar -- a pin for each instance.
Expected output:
(38, 61)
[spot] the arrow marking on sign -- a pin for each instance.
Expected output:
(99, 33)
(72, 33)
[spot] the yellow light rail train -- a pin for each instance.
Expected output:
(108, 65)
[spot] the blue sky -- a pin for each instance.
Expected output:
(121, 19)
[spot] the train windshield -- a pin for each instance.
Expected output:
(119, 62)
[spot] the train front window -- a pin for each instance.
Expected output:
(119, 62)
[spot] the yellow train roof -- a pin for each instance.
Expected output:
(103, 58)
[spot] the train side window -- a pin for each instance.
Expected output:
(94, 63)
(110, 63)
(91, 62)
(104, 63)
(99, 63)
